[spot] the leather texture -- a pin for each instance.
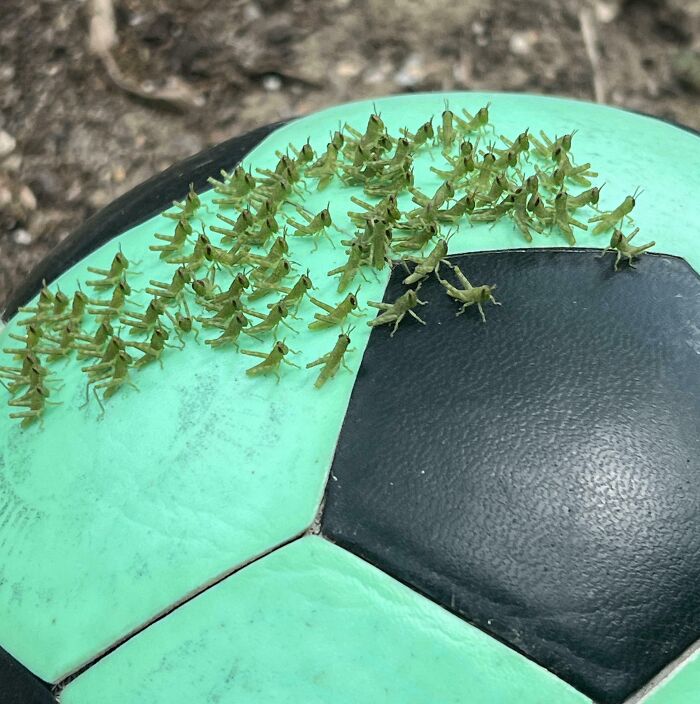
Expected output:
(137, 205)
(18, 685)
(539, 474)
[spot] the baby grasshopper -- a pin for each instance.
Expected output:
(468, 295)
(380, 243)
(475, 123)
(175, 290)
(545, 149)
(52, 314)
(562, 217)
(239, 284)
(205, 289)
(143, 323)
(188, 208)
(609, 219)
(30, 340)
(446, 132)
(621, 244)
(271, 321)
(426, 265)
(589, 197)
(279, 248)
(459, 171)
(113, 379)
(326, 167)
(238, 227)
(196, 258)
(63, 344)
(357, 256)
(35, 401)
(152, 349)
(226, 310)
(31, 373)
(113, 307)
(396, 311)
(386, 210)
(268, 281)
(175, 242)
(94, 345)
(332, 360)
(334, 315)
(295, 294)
(111, 276)
(422, 136)
(183, 324)
(422, 235)
(315, 225)
(271, 362)
(235, 186)
(458, 210)
(238, 255)
(231, 332)
(44, 304)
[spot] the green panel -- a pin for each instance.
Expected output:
(106, 523)
(313, 623)
(681, 687)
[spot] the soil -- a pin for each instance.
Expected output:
(72, 139)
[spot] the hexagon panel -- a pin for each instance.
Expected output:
(537, 474)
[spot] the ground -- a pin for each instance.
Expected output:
(72, 138)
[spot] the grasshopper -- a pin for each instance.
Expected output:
(621, 244)
(174, 291)
(205, 289)
(113, 307)
(468, 295)
(326, 167)
(396, 311)
(562, 217)
(234, 187)
(237, 228)
(175, 242)
(271, 321)
(144, 323)
(609, 219)
(188, 208)
(422, 235)
(332, 360)
(268, 281)
(295, 294)
(271, 361)
(315, 225)
(426, 265)
(111, 380)
(196, 258)
(335, 315)
(112, 276)
(357, 257)
(35, 401)
(422, 136)
(152, 349)
(231, 332)
(474, 123)
(386, 210)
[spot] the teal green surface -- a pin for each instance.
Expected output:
(106, 523)
(681, 687)
(312, 623)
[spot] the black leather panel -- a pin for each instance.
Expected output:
(19, 686)
(539, 474)
(134, 207)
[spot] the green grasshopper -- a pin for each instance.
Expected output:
(52, 314)
(234, 187)
(63, 344)
(474, 123)
(35, 401)
(468, 295)
(144, 323)
(30, 340)
(426, 265)
(113, 307)
(332, 360)
(608, 220)
(175, 242)
(188, 208)
(326, 167)
(271, 361)
(152, 349)
(271, 321)
(112, 276)
(231, 332)
(545, 148)
(112, 380)
(205, 289)
(422, 235)
(561, 217)
(422, 136)
(196, 258)
(267, 282)
(396, 311)
(357, 257)
(386, 210)
(94, 345)
(295, 294)
(446, 133)
(238, 286)
(174, 291)
(335, 315)
(237, 228)
(315, 225)
(44, 304)
(621, 244)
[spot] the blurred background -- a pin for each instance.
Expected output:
(98, 95)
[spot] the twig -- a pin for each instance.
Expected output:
(590, 41)
(103, 39)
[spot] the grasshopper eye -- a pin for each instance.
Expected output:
(353, 300)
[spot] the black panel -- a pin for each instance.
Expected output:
(142, 202)
(539, 474)
(19, 686)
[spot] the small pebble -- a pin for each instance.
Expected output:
(7, 144)
(22, 237)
